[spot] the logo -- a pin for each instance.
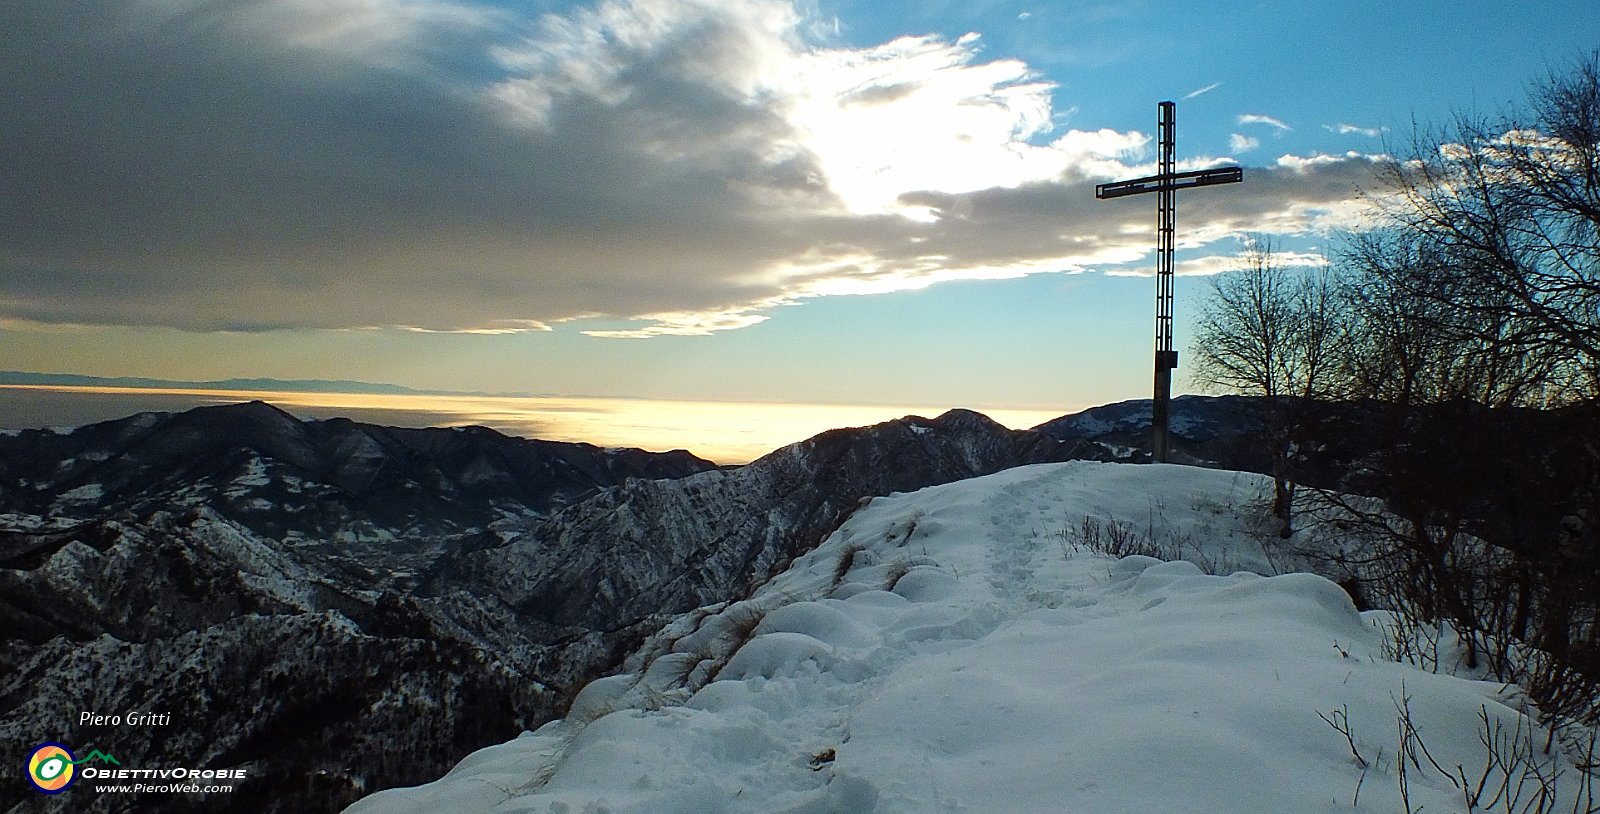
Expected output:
(50, 768)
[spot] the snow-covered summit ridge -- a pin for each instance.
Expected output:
(952, 650)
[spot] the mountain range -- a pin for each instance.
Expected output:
(27, 379)
(338, 607)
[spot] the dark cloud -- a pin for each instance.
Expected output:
(1064, 219)
(179, 169)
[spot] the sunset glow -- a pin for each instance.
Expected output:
(724, 432)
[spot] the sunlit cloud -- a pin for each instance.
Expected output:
(1308, 164)
(1346, 129)
(1211, 264)
(510, 326)
(702, 323)
(938, 118)
(1256, 118)
(1202, 91)
(1223, 263)
(1241, 143)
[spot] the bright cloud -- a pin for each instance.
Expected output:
(1222, 263)
(1256, 118)
(1346, 129)
(919, 113)
(1241, 143)
(701, 323)
(686, 165)
(1202, 91)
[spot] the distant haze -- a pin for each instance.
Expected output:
(724, 432)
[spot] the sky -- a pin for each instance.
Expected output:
(806, 201)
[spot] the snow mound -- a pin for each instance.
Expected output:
(954, 650)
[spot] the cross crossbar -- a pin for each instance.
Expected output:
(1177, 180)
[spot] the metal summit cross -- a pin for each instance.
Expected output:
(1166, 183)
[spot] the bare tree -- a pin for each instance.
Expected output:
(1481, 301)
(1419, 332)
(1271, 331)
(1508, 210)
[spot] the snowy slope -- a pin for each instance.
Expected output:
(951, 650)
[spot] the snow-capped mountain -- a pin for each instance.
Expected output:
(338, 607)
(280, 476)
(1193, 418)
(248, 572)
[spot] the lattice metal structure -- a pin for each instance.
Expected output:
(1166, 183)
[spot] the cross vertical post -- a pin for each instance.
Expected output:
(1166, 228)
(1166, 182)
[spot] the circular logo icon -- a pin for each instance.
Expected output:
(50, 768)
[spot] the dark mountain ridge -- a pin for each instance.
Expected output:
(236, 458)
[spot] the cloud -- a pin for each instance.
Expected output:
(1241, 143)
(1256, 118)
(1202, 91)
(1061, 225)
(682, 166)
(687, 323)
(1346, 129)
(1222, 263)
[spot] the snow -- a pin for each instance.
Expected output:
(33, 523)
(144, 421)
(295, 594)
(1184, 424)
(260, 564)
(363, 532)
(1118, 451)
(87, 493)
(254, 476)
(1092, 425)
(955, 650)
